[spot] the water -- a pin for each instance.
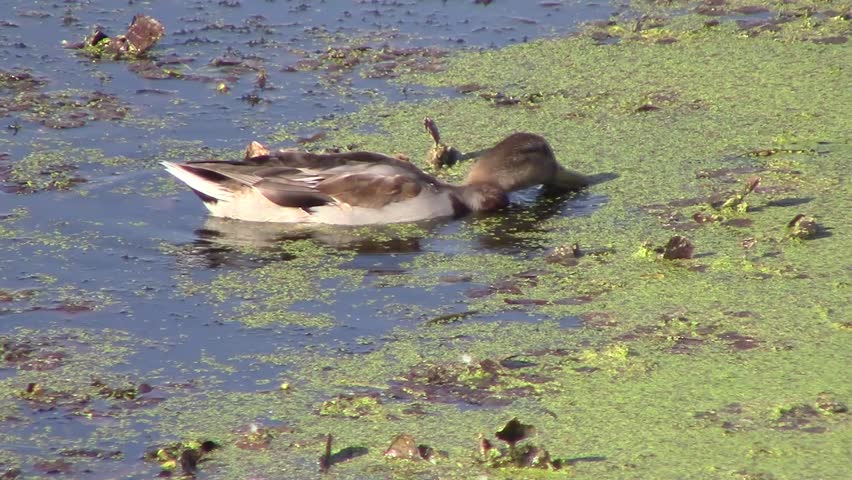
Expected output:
(114, 253)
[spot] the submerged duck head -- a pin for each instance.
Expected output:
(522, 160)
(519, 161)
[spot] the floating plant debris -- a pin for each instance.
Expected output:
(703, 217)
(42, 398)
(53, 467)
(736, 202)
(325, 459)
(403, 447)
(440, 155)
(484, 383)
(255, 437)
(565, 255)
(739, 341)
(91, 453)
(514, 431)
(351, 406)
(183, 455)
(828, 404)
(802, 227)
(262, 78)
(486, 448)
(526, 455)
(503, 99)
(450, 318)
(128, 393)
(799, 417)
(64, 109)
(255, 149)
(678, 247)
(372, 61)
(20, 80)
(586, 346)
(143, 33)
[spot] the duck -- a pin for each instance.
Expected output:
(367, 188)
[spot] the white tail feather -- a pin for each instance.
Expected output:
(313, 179)
(198, 183)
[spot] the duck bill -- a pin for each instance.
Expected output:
(565, 179)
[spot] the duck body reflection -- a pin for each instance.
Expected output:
(507, 230)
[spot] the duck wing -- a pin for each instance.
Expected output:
(333, 162)
(306, 180)
(284, 186)
(368, 190)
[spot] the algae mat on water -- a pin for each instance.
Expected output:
(732, 364)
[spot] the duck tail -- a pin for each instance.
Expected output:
(209, 190)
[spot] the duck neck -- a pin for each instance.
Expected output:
(480, 197)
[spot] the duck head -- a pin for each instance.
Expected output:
(522, 160)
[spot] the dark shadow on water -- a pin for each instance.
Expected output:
(347, 454)
(782, 202)
(789, 202)
(822, 232)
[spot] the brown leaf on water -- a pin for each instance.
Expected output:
(678, 247)
(403, 447)
(515, 431)
(144, 32)
(256, 149)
